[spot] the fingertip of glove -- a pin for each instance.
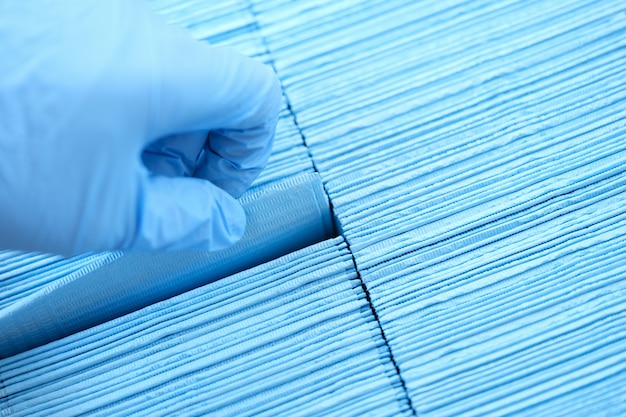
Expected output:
(232, 224)
(187, 214)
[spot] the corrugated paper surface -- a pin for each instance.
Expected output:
(474, 154)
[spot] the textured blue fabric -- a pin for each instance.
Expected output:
(475, 156)
(294, 336)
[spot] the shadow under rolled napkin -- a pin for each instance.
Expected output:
(281, 218)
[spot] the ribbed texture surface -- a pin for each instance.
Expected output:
(294, 336)
(23, 274)
(475, 155)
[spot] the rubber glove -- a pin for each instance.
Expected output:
(119, 131)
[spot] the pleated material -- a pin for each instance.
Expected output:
(294, 336)
(475, 156)
(474, 153)
(23, 274)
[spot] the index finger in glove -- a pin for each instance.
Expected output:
(236, 98)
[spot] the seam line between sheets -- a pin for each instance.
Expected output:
(354, 264)
(363, 286)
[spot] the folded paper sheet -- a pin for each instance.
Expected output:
(294, 336)
(282, 217)
(475, 156)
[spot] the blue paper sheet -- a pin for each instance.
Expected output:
(475, 156)
(474, 153)
(294, 336)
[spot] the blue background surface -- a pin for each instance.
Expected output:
(475, 157)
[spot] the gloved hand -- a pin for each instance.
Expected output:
(118, 131)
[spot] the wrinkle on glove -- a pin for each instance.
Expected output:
(475, 156)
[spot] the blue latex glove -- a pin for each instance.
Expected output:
(118, 131)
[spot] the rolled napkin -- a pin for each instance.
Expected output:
(282, 217)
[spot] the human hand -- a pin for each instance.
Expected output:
(118, 131)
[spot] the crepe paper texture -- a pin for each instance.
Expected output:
(294, 336)
(475, 157)
(474, 154)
